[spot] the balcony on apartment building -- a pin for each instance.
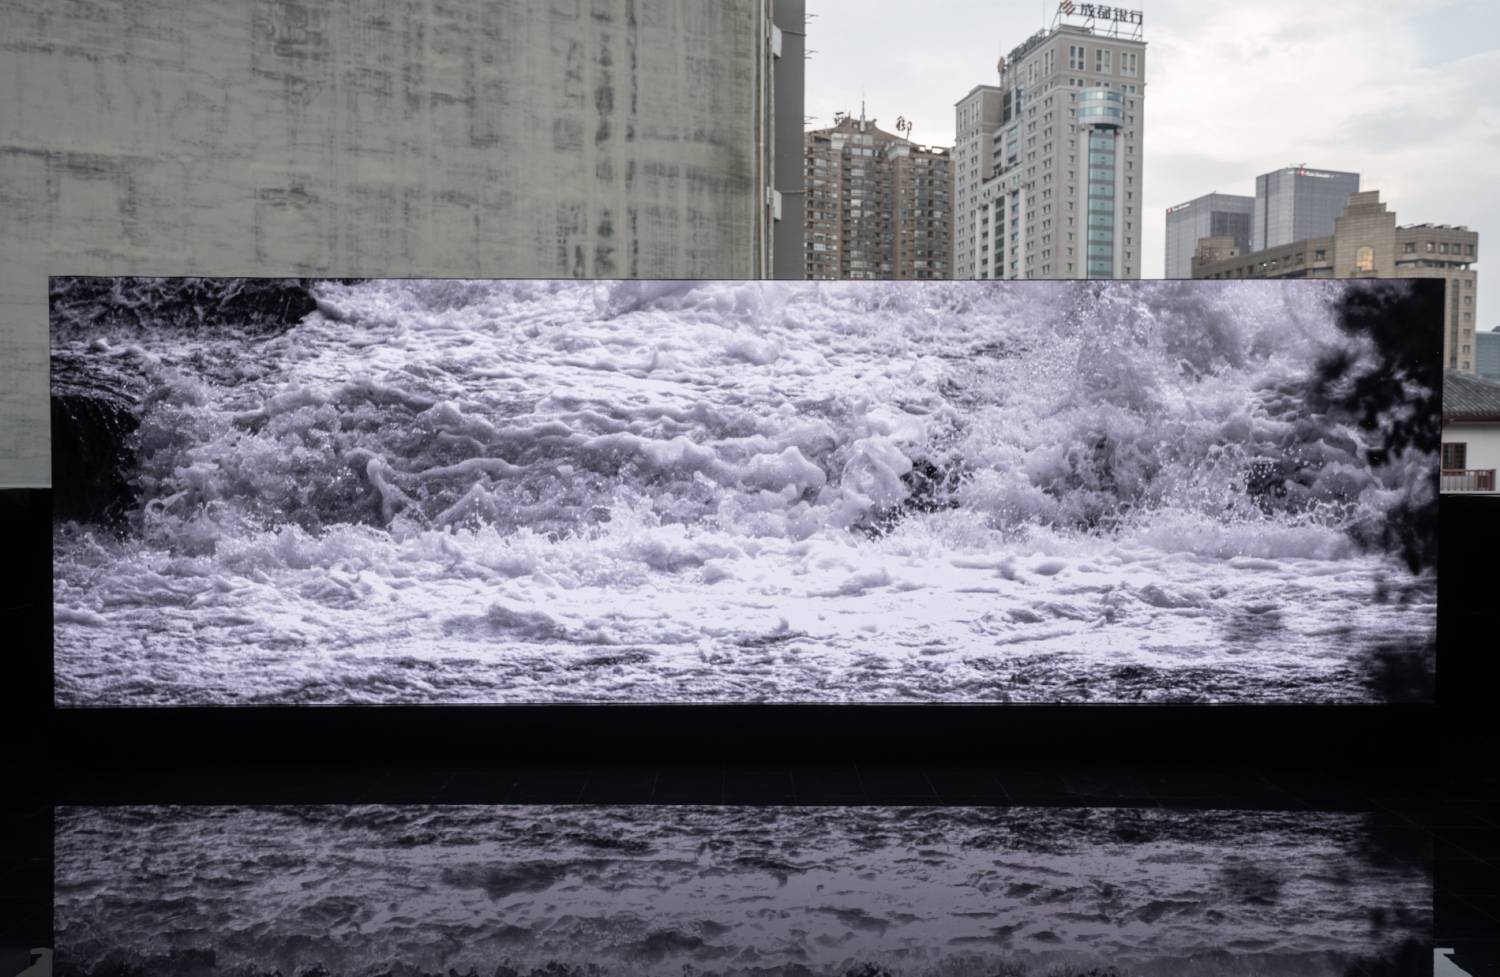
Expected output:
(1467, 480)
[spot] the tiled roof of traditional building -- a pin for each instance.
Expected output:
(1470, 398)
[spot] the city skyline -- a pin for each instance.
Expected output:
(1424, 134)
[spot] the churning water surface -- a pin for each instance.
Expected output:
(486, 492)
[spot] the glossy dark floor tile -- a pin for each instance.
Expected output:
(819, 783)
(759, 787)
(689, 785)
(1459, 832)
(632, 783)
(749, 891)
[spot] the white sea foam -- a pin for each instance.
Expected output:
(764, 491)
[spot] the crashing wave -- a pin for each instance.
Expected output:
(791, 429)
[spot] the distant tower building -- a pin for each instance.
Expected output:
(1049, 161)
(1366, 242)
(1487, 355)
(878, 206)
(1296, 203)
(1214, 215)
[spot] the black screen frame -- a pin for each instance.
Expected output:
(1131, 733)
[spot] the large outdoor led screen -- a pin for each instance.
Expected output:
(410, 491)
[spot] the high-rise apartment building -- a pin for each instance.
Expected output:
(1214, 215)
(1295, 203)
(1367, 243)
(977, 116)
(878, 206)
(1048, 176)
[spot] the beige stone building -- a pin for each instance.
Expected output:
(1367, 243)
(878, 206)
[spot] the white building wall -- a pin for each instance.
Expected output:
(1483, 442)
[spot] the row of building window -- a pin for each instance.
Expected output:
(1442, 247)
(1103, 61)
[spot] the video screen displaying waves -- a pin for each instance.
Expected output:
(559, 891)
(400, 491)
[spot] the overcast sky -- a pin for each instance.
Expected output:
(1405, 93)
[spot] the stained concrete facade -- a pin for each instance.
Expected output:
(788, 75)
(1367, 243)
(566, 138)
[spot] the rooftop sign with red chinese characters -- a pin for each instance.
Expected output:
(1099, 11)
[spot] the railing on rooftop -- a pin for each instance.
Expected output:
(1467, 480)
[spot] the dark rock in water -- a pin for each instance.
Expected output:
(97, 388)
(95, 406)
(1411, 529)
(1389, 315)
(1265, 481)
(90, 459)
(250, 305)
(929, 489)
(1399, 395)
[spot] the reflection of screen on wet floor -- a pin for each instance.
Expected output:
(573, 890)
(491, 492)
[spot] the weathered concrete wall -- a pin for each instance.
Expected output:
(486, 138)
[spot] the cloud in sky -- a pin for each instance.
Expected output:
(1402, 93)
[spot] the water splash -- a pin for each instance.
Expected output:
(520, 443)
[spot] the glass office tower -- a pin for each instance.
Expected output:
(1296, 203)
(1211, 215)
